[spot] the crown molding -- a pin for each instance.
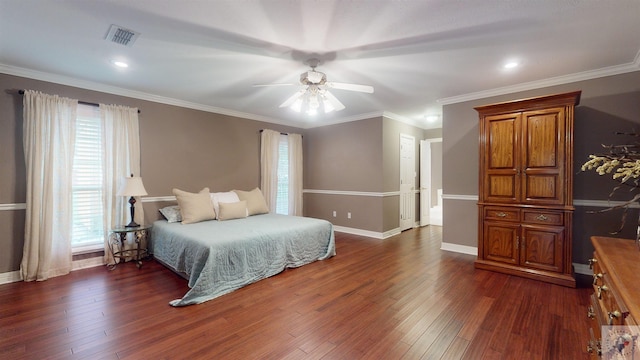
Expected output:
(95, 86)
(409, 121)
(559, 80)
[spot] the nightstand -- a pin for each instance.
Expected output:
(118, 240)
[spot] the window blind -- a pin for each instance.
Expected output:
(282, 195)
(87, 185)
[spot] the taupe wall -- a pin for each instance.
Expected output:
(607, 105)
(180, 147)
(360, 156)
(191, 149)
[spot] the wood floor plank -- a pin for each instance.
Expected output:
(400, 297)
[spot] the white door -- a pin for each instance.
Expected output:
(425, 182)
(407, 181)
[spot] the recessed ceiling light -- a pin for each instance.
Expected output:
(511, 65)
(432, 118)
(120, 64)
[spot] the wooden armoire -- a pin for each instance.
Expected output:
(525, 205)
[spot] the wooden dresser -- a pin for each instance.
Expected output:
(525, 205)
(616, 284)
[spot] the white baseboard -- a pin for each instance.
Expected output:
(9, 277)
(462, 249)
(367, 233)
(582, 269)
(87, 263)
(15, 276)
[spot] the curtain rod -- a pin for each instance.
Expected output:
(21, 92)
(261, 130)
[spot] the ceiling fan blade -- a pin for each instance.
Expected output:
(293, 98)
(351, 87)
(337, 105)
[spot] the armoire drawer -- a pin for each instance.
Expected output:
(501, 213)
(543, 217)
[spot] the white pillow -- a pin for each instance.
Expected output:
(225, 197)
(171, 213)
(195, 207)
(235, 210)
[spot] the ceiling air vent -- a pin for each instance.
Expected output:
(122, 36)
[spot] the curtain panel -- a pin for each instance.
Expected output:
(295, 174)
(121, 154)
(269, 167)
(48, 140)
(49, 131)
(269, 159)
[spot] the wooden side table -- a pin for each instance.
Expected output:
(118, 239)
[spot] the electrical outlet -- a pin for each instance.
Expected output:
(348, 215)
(334, 213)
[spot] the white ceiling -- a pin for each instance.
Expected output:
(417, 54)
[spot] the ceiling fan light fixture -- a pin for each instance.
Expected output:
(297, 105)
(313, 102)
(327, 106)
(315, 77)
(314, 95)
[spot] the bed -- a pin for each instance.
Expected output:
(218, 257)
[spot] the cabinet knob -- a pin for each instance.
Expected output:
(613, 315)
(596, 277)
(591, 348)
(501, 214)
(602, 289)
(590, 313)
(542, 218)
(591, 262)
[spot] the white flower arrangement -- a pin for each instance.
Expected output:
(623, 163)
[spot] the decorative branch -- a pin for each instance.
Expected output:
(623, 162)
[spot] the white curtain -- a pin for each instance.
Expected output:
(295, 174)
(269, 159)
(269, 167)
(121, 154)
(49, 140)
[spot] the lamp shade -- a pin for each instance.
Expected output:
(131, 186)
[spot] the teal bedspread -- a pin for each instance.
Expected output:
(221, 256)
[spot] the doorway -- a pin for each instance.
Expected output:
(407, 181)
(431, 182)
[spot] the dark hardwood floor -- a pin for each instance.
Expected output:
(399, 298)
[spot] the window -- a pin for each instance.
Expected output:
(282, 196)
(87, 230)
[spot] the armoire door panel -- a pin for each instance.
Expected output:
(501, 146)
(502, 188)
(501, 182)
(542, 247)
(544, 188)
(501, 242)
(542, 129)
(544, 156)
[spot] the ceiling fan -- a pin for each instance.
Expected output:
(314, 92)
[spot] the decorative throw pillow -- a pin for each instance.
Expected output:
(195, 207)
(234, 210)
(256, 203)
(227, 197)
(171, 213)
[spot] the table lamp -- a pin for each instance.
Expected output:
(132, 186)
